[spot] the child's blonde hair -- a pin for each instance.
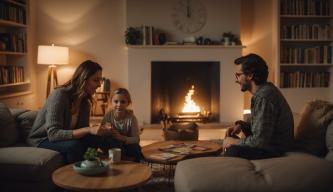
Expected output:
(122, 91)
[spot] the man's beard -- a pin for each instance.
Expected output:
(245, 86)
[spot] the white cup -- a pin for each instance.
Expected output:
(115, 155)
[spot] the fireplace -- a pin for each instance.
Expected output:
(171, 81)
(230, 105)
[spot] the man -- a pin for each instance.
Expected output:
(270, 129)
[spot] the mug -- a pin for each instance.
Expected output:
(115, 155)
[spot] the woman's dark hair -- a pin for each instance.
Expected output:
(77, 83)
(255, 65)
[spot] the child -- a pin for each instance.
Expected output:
(123, 124)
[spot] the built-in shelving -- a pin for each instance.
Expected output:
(15, 84)
(14, 77)
(305, 44)
(16, 94)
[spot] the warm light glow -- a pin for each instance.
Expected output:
(246, 111)
(190, 106)
(52, 55)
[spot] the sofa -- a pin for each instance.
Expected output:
(308, 167)
(23, 168)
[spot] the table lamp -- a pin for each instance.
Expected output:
(52, 56)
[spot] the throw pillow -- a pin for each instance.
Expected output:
(25, 121)
(8, 131)
(311, 130)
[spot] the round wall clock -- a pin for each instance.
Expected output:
(189, 16)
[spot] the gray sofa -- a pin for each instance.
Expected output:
(308, 168)
(23, 168)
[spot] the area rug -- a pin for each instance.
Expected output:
(160, 181)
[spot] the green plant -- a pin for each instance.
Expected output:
(132, 36)
(232, 37)
(91, 154)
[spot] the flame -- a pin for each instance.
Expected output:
(189, 105)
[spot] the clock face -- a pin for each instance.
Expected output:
(189, 16)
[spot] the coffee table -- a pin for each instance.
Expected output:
(120, 176)
(155, 148)
(213, 149)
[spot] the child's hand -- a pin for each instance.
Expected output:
(115, 133)
(98, 129)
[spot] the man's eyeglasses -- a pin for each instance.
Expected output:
(237, 75)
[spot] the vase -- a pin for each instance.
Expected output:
(226, 40)
(90, 163)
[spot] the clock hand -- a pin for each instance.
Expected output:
(188, 8)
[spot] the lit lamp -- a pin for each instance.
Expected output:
(52, 56)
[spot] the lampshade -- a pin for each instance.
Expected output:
(52, 55)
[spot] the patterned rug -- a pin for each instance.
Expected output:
(160, 180)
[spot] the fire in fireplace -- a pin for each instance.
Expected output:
(199, 82)
(191, 111)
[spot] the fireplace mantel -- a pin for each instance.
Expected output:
(139, 75)
(188, 46)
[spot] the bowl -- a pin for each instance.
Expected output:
(90, 170)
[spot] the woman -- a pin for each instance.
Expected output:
(63, 123)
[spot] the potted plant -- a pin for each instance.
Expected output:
(229, 38)
(132, 36)
(91, 159)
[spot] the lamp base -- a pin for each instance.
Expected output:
(51, 79)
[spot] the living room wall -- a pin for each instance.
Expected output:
(258, 33)
(91, 29)
(94, 30)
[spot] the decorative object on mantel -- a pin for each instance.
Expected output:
(190, 40)
(145, 35)
(52, 56)
(229, 38)
(132, 36)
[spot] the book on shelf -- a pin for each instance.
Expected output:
(14, 41)
(301, 79)
(305, 7)
(163, 156)
(12, 12)
(307, 55)
(11, 74)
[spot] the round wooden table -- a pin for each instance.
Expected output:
(155, 148)
(120, 176)
(212, 149)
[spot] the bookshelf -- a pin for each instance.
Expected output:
(14, 79)
(305, 44)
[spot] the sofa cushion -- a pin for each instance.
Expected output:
(32, 164)
(24, 123)
(311, 130)
(297, 172)
(8, 131)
